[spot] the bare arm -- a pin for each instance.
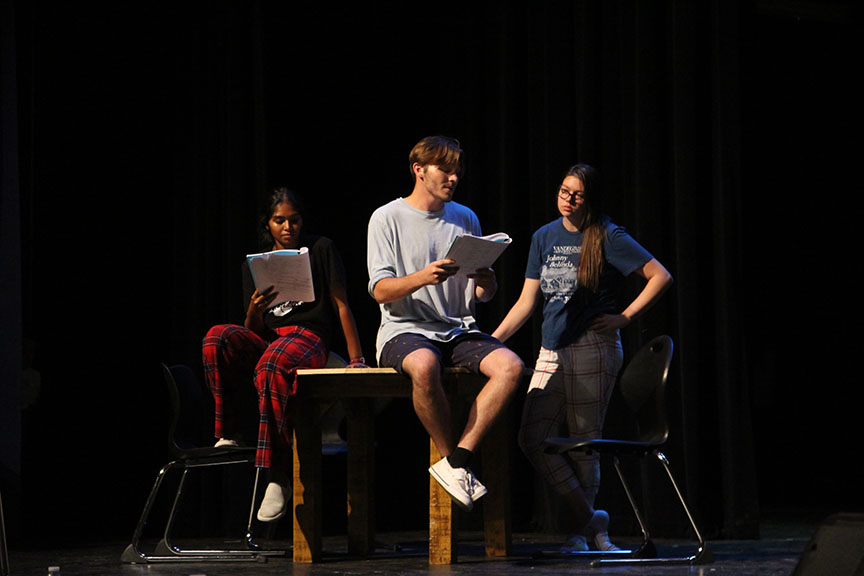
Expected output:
(657, 282)
(349, 326)
(485, 284)
(392, 289)
(258, 304)
(521, 310)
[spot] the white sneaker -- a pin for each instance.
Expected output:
(478, 490)
(460, 483)
(275, 502)
(222, 442)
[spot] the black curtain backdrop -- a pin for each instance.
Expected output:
(149, 134)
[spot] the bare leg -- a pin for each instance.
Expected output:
(504, 370)
(427, 395)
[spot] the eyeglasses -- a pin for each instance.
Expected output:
(565, 194)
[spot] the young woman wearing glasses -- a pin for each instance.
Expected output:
(576, 267)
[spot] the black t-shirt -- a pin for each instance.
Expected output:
(320, 316)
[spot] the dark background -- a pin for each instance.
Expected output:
(139, 141)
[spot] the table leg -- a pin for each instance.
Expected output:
(361, 468)
(442, 533)
(495, 459)
(307, 500)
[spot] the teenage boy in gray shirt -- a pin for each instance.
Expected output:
(427, 310)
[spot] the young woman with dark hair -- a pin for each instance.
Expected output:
(272, 343)
(576, 266)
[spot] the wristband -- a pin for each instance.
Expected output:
(358, 360)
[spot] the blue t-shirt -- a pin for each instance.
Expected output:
(554, 260)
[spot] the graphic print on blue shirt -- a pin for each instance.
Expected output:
(554, 257)
(559, 274)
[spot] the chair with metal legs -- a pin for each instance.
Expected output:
(643, 388)
(187, 398)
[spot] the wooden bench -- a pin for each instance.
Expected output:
(357, 388)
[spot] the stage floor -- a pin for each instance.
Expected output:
(777, 552)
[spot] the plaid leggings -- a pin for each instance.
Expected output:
(568, 396)
(233, 356)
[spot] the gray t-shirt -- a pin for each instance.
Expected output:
(403, 240)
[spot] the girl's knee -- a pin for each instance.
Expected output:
(220, 335)
(272, 368)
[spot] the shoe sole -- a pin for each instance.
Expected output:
(467, 507)
(274, 518)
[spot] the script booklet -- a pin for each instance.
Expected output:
(287, 271)
(473, 252)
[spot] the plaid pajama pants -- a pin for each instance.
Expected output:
(568, 396)
(234, 357)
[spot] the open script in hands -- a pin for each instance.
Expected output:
(287, 271)
(474, 252)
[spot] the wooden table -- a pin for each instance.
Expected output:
(358, 388)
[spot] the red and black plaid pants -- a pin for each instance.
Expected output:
(235, 358)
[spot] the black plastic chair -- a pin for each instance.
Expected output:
(643, 388)
(187, 403)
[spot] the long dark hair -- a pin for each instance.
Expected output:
(278, 196)
(592, 224)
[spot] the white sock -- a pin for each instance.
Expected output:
(600, 524)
